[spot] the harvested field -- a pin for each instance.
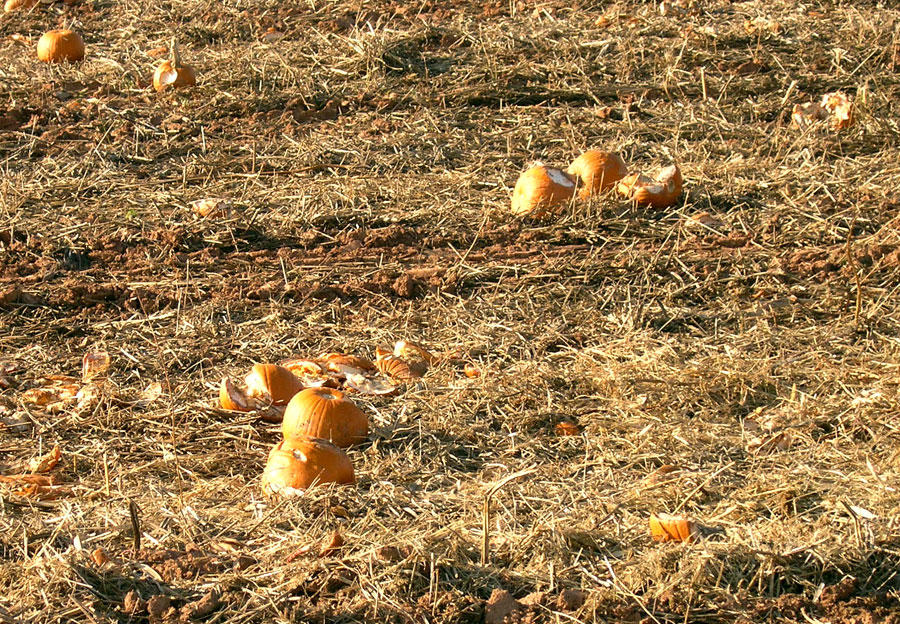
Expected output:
(732, 358)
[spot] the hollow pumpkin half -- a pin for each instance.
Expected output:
(661, 192)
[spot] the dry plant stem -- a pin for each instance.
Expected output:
(486, 510)
(176, 57)
(134, 516)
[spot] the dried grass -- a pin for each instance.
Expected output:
(370, 156)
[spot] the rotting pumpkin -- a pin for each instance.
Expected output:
(172, 74)
(541, 190)
(597, 171)
(299, 462)
(12, 5)
(325, 413)
(661, 192)
(60, 45)
(276, 382)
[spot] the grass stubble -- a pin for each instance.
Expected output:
(369, 156)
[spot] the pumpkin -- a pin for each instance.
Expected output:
(666, 528)
(299, 462)
(231, 398)
(60, 45)
(659, 193)
(325, 413)
(597, 171)
(174, 74)
(12, 5)
(540, 190)
(273, 381)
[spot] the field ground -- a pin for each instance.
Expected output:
(369, 156)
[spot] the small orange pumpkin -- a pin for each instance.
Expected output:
(540, 190)
(325, 413)
(299, 462)
(60, 45)
(277, 382)
(174, 74)
(669, 528)
(659, 193)
(597, 171)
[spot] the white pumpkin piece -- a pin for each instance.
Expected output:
(370, 385)
(805, 115)
(840, 107)
(94, 364)
(411, 351)
(149, 394)
(212, 208)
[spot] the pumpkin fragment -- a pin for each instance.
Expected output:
(395, 368)
(665, 528)
(231, 398)
(173, 74)
(272, 381)
(661, 192)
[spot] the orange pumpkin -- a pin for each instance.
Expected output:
(171, 76)
(597, 171)
(274, 381)
(60, 45)
(666, 528)
(174, 74)
(659, 193)
(297, 463)
(541, 190)
(325, 413)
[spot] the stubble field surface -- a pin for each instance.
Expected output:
(369, 151)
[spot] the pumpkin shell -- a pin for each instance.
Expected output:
(60, 45)
(12, 5)
(298, 463)
(168, 76)
(276, 381)
(597, 171)
(325, 413)
(659, 193)
(231, 398)
(541, 190)
(396, 368)
(669, 528)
